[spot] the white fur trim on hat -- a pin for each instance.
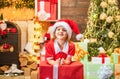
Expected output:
(65, 25)
(79, 36)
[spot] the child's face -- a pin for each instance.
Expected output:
(61, 33)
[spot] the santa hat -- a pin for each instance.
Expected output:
(70, 26)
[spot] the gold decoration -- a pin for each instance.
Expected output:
(110, 34)
(109, 19)
(103, 4)
(103, 16)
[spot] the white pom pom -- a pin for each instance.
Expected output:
(79, 36)
(3, 26)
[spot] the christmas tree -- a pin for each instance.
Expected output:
(103, 26)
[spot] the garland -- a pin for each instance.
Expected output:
(17, 3)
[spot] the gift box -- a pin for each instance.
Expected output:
(34, 74)
(72, 71)
(49, 8)
(27, 71)
(85, 48)
(99, 60)
(81, 53)
(115, 58)
(98, 71)
(117, 71)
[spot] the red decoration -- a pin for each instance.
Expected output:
(13, 30)
(3, 32)
(50, 7)
(6, 46)
(103, 55)
(64, 71)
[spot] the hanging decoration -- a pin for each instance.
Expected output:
(3, 28)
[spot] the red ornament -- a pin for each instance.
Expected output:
(6, 46)
(3, 32)
(13, 30)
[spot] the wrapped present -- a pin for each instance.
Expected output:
(34, 74)
(81, 52)
(100, 60)
(72, 71)
(99, 71)
(116, 55)
(47, 10)
(102, 57)
(117, 71)
(27, 71)
(115, 58)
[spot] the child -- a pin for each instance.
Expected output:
(59, 50)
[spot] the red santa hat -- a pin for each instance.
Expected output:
(70, 26)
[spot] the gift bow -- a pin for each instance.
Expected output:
(105, 72)
(103, 55)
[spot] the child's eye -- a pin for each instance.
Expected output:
(64, 30)
(58, 29)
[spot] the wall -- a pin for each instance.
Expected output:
(75, 10)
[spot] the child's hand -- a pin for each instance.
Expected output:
(62, 61)
(57, 62)
(67, 61)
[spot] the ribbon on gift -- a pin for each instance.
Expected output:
(115, 58)
(103, 55)
(55, 71)
(105, 72)
(117, 73)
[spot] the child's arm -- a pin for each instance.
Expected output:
(53, 62)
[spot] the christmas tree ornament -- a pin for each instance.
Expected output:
(109, 19)
(110, 34)
(11, 49)
(103, 4)
(103, 16)
(13, 30)
(6, 46)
